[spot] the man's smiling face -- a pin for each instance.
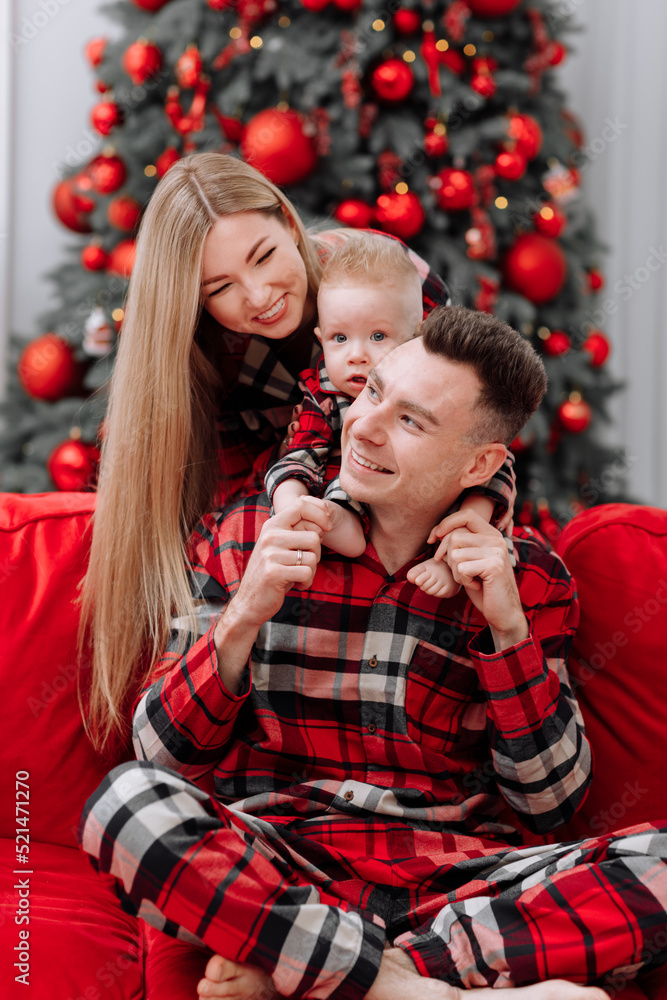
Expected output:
(411, 421)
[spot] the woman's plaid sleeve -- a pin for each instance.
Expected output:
(541, 757)
(185, 715)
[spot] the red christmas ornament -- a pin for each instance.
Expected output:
(348, 5)
(107, 173)
(101, 87)
(536, 267)
(556, 53)
(355, 213)
(124, 212)
(557, 343)
(150, 4)
(481, 237)
(526, 135)
(401, 215)
(72, 207)
(487, 296)
(492, 8)
(453, 60)
(94, 257)
(595, 280)
(457, 190)
(166, 160)
(189, 68)
(48, 369)
(94, 51)
(276, 143)
(599, 348)
(436, 142)
(105, 116)
(232, 128)
(72, 465)
(121, 259)
(511, 164)
(392, 80)
(485, 86)
(575, 414)
(142, 60)
(407, 22)
(550, 220)
(315, 5)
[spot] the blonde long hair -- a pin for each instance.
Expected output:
(159, 470)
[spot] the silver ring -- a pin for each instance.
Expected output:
(299, 557)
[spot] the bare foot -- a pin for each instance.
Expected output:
(231, 981)
(434, 578)
(398, 979)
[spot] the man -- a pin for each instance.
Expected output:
(365, 736)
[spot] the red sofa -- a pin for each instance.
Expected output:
(80, 944)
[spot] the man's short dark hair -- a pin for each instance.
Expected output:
(511, 374)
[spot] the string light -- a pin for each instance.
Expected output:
(150, 170)
(501, 202)
(235, 33)
(378, 25)
(401, 188)
(409, 56)
(256, 42)
(284, 22)
(544, 333)
(547, 213)
(442, 45)
(440, 129)
(488, 36)
(117, 315)
(470, 50)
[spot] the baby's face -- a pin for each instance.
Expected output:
(359, 324)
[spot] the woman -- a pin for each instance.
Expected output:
(219, 322)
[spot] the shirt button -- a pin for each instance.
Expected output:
(373, 662)
(348, 796)
(371, 727)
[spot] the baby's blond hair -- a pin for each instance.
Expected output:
(369, 259)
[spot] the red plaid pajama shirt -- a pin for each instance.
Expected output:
(360, 774)
(260, 397)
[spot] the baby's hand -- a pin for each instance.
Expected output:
(293, 428)
(434, 578)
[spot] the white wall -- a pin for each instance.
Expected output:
(619, 73)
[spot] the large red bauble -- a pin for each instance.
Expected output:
(392, 80)
(275, 143)
(407, 22)
(189, 68)
(457, 190)
(107, 173)
(536, 267)
(94, 51)
(150, 4)
(48, 369)
(599, 348)
(142, 60)
(511, 165)
(105, 116)
(557, 343)
(124, 212)
(71, 207)
(527, 135)
(121, 258)
(166, 159)
(94, 257)
(72, 465)
(401, 215)
(355, 213)
(492, 8)
(575, 414)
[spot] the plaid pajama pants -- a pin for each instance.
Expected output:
(314, 900)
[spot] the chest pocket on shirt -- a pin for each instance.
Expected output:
(440, 704)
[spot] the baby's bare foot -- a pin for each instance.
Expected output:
(434, 578)
(232, 981)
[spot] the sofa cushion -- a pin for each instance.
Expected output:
(618, 556)
(44, 544)
(80, 944)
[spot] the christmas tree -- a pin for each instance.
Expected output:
(439, 122)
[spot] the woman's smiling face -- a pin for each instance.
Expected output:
(253, 277)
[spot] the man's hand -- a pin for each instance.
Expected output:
(477, 555)
(275, 566)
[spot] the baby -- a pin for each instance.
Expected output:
(369, 302)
